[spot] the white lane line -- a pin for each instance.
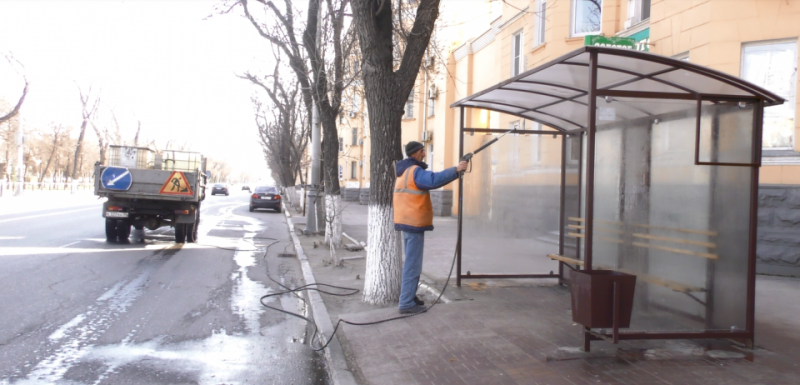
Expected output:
(70, 244)
(47, 215)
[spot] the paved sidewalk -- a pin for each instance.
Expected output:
(520, 332)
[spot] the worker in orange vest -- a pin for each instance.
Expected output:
(413, 215)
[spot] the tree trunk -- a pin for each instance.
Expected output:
(386, 91)
(333, 196)
(78, 150)
(49, 159)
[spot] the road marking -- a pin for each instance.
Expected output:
(37, 251)
(7, 238)
(46, 215)
(70, 244)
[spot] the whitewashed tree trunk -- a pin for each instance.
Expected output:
(333, 220)
(384, 258)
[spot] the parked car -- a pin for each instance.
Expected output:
(246, 187)
(265, 197)
(220, 188)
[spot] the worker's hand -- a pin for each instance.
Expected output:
(462, 166)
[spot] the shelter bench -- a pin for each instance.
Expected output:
(609, 231)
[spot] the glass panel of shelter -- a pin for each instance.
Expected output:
(511, 205)
(680, 227)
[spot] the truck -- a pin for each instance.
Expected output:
(151, 189)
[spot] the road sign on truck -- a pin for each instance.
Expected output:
(116, 178)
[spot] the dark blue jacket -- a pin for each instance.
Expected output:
(425, 180)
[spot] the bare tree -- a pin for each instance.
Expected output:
(14, 111)
(386, 91)
(89, 107)
(57, 132)
(138, 130)
(320, 81)
(283, 135)
(103, 137)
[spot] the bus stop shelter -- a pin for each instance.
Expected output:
(647, 166)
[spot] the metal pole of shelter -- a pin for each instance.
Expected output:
(460, 198)
(590, 159)
(750, 322)
(562, 212)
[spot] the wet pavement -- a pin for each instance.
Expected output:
(521, 332)
(77, 310)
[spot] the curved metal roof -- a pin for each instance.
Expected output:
(557, 93)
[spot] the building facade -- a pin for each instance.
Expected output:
(754, 40)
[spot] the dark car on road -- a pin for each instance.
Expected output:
(219, 188)
(265, 197)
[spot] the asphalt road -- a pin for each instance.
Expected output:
(75, 309)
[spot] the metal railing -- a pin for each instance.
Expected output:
(18, 188)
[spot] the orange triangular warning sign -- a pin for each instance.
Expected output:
(176, 184)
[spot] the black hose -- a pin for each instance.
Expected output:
(316, 286)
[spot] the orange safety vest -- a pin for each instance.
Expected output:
(412, 206)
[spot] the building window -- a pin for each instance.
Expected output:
(355, 136)
(774, 66)
(430, 155)
(341, 144)
(541, 17)
(586, 16)
(431, 104)
(341, 172)
(516, 54)
(353, 170)
(409, 114)
(638, 11)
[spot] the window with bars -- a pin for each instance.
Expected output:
(341, 144)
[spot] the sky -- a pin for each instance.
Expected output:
(164, 63)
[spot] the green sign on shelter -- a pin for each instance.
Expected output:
(638, 41)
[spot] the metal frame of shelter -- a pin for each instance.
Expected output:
(563, 94)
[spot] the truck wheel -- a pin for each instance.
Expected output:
(191, 232)
(191, 228)
(180, 233)
(123, 230)
(111, 230)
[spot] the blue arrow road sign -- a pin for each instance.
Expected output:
(116, 178)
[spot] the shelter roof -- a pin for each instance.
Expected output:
(640, 84)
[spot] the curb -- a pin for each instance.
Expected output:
(334, 355)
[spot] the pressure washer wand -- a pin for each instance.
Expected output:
(468, 157)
